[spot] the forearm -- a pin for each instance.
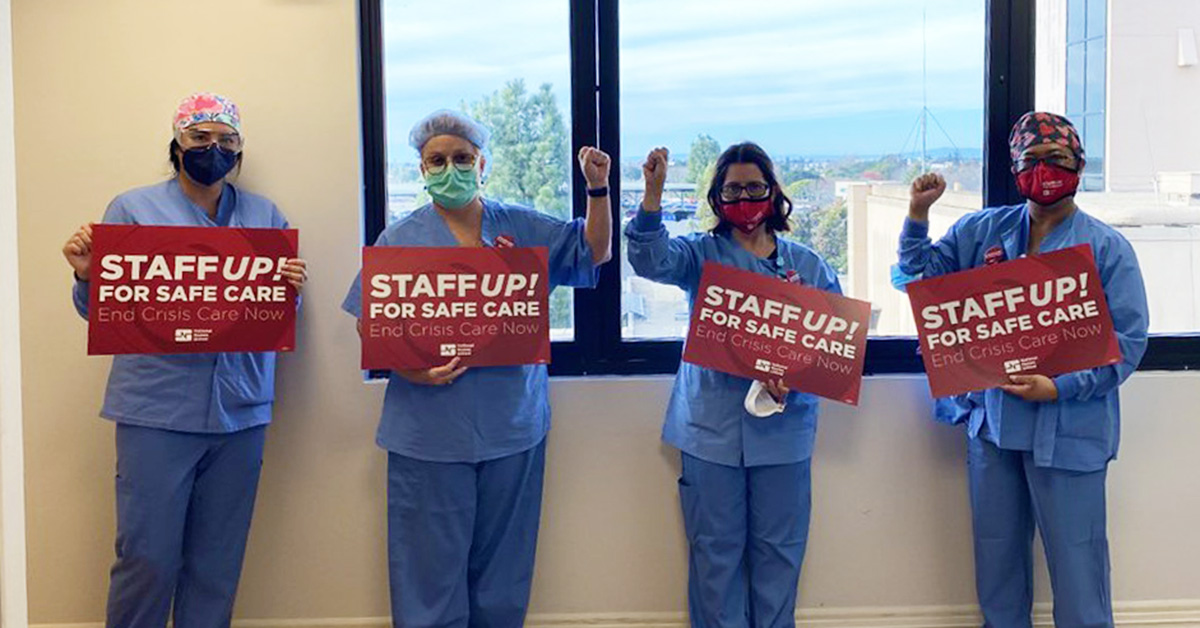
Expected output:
(598, 228)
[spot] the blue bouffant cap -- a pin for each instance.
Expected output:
(447, 122)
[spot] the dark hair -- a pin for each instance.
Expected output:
(749, 153)
(176, 166)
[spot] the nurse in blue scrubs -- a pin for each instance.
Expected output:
(1039, 447)
(746, 446)
(189, 428)
(466, 446)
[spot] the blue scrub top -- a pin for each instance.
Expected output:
(488, 412)
(201, 392)
(706, 416)
(1081, 430)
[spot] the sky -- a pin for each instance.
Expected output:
(801, 77)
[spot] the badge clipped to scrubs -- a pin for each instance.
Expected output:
(760, 403)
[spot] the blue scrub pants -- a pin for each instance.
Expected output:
(1009, 495)
(747, 529)
(184, 502)
(461, 539)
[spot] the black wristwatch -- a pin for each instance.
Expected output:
(598, 192)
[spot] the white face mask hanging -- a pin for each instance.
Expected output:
(760, 403)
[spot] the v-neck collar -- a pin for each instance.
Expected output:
(1016, 241)
(225, 205)
(487, 235)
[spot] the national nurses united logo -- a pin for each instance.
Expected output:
(192, 335)
(1021, 365)
(452, 350)
(767, 366)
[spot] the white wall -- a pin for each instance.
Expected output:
(95, 85)
(1050, 67)
(1151, 115)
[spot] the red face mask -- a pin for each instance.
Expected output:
(1045, 184)
(747, 215)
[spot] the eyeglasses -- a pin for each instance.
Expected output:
(756, 190)
(1060, 161)
(199, 138)
(436, 164)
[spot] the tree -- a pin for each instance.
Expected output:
(530, 160)
(530, 151)
(705, 217)
(829, 235)
(701, 155)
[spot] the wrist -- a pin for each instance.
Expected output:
(918, 213)
(597, 191)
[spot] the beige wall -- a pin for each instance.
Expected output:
(96, 81)
(13, 607)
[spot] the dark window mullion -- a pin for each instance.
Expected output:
(374, 132)
(606, 334)
(1009, 92)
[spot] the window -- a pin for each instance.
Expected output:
(507, 65)
(851, 99)
(1086, 88)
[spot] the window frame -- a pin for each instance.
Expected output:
(598, 347)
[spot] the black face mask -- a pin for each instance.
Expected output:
(208, 165)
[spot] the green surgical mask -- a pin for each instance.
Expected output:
(452, 188)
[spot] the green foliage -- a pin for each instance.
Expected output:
(829, 237)
(701, 155)
(530, 151)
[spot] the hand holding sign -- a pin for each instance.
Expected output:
(778, 390)
(443, 375)
(1036, 388)
(78, 251)
(295, 270)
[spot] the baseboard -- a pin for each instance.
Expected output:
(1172, 613)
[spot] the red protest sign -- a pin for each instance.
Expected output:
(761, 327)
(422, 307)
(1045, 314)
(190, 290)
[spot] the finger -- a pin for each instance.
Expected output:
(85, 235)
(81, 247)
(448, 378)
(1019, 390)
(1021, 379)
(445, 369)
